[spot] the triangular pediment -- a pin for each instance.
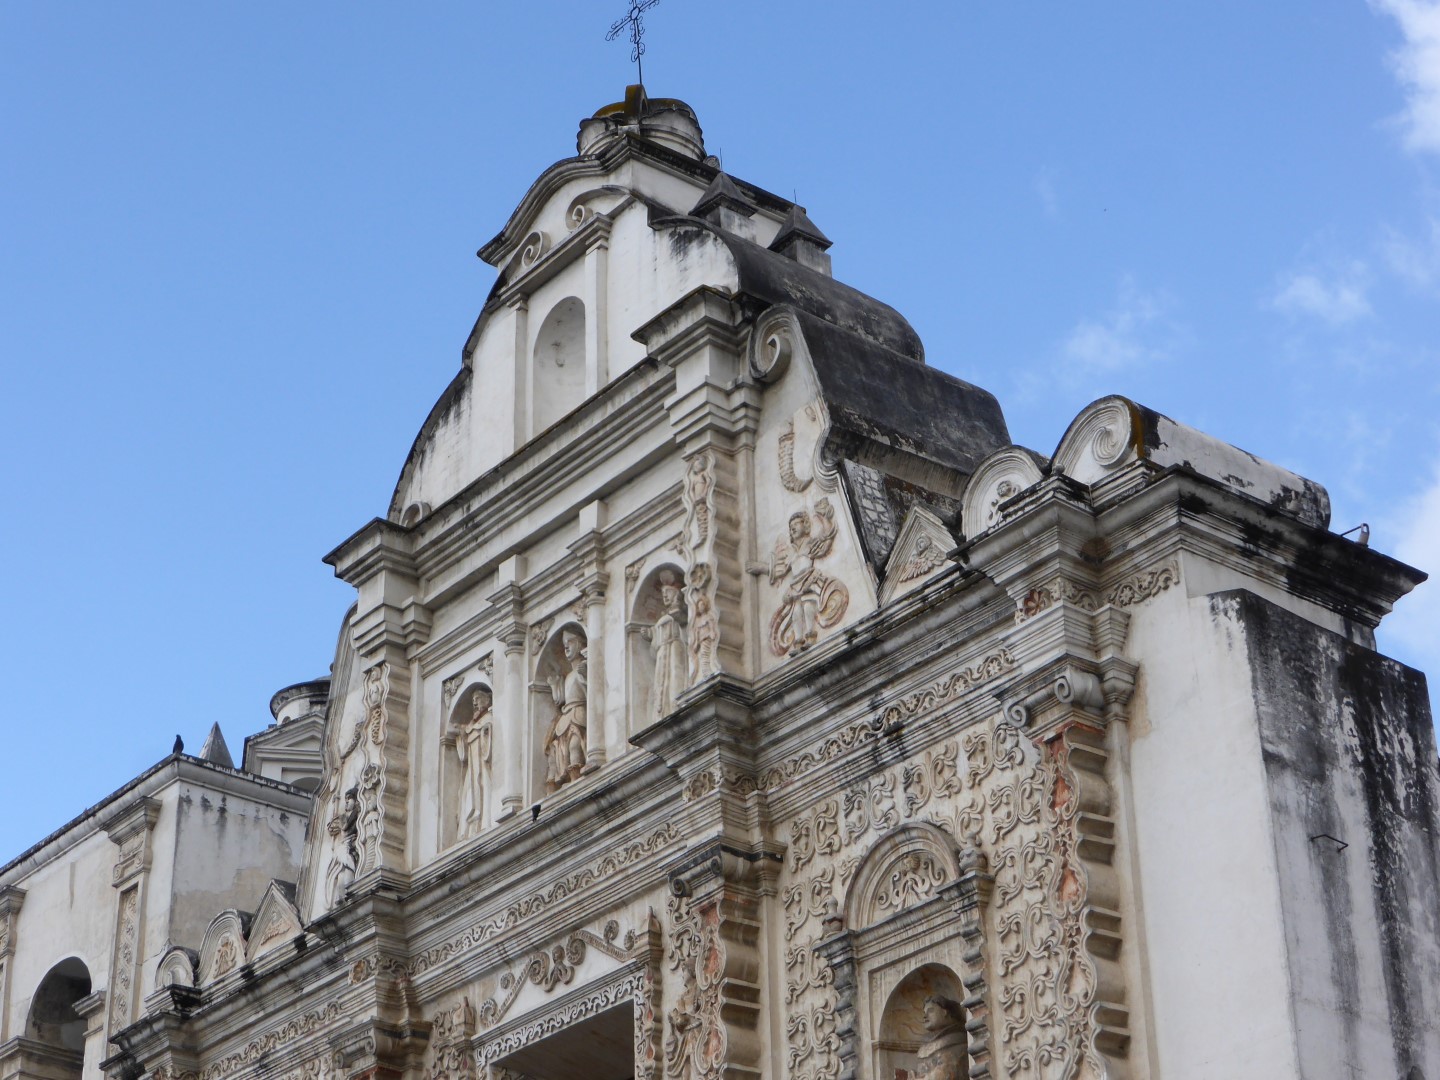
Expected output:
(921, 550)
(276, 921)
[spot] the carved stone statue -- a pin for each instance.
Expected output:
(682, 1039)
(344, 827)
(473, 742)
(667, 636)
(943, 1055)
(699, 483)
(812, 600)
(565, 741)
(704, 638)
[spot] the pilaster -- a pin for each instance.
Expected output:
(511, 747)
(12, 898)
(714, 415)
(589, 552)
(130, 830)
(713, 1029)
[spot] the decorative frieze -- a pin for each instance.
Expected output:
(551, 966)
(529, 907)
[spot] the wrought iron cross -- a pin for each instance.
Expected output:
(636, 26)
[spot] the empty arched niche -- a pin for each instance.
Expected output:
(558, 364)
(468, 742)
(53, 1021)
(922, 1030)
(659, 645)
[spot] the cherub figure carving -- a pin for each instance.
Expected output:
(565, 741)
(704, 626)
(923, 559)
(667, 636)
(813, 601)
(473, 742)
(699, 483)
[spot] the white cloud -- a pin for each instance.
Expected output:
(1133, 333)
(1337, 301)
(1414, 259)
(1045, 191)
(1417, 66)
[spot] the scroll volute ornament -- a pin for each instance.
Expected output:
(772, 344)
(1106, 435)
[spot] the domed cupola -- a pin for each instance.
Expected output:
(667, 121)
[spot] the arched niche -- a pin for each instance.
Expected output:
(178, 967)
(562, 725)
(53, 1021)
(557, 364)
(921, 1034)
(915, 915)
(657, 644)
(223, 950)
(467, 764)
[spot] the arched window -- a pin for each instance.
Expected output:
(53, 1022)
(558, 364)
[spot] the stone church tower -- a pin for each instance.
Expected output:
(726, 697)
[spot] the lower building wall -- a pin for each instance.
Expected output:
(1350, 766)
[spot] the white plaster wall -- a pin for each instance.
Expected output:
(227, 850)
(645, 274)
(1206, 869)
(69, 910)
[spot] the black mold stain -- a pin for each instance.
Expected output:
(1346, 735)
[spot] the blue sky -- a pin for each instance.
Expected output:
(237, 267)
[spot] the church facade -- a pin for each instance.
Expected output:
(726, 696)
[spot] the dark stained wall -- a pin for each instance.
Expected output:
(1350, 763)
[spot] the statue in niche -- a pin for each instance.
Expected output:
(345, 828)
(813, 600)
(942, 1055)
(672, 654)
(473, 741)
(565, 741)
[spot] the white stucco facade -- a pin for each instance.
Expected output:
(726, 695)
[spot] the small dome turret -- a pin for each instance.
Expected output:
(667, 121)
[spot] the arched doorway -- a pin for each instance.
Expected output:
(53, 1025)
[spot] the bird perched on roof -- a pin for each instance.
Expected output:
(179, 746)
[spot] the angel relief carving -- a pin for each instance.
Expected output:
(812, 600)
